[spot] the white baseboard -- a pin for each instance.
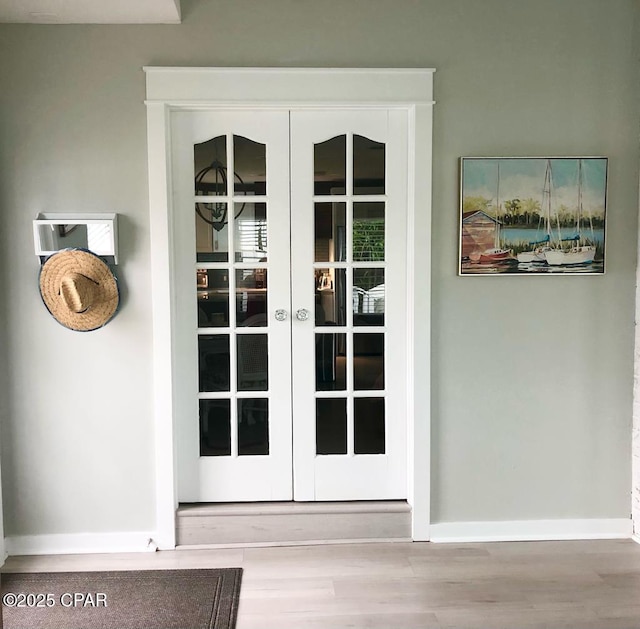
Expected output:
(80, 543)
(530, 530)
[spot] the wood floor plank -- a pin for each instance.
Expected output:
(253, 588)
(361, 621)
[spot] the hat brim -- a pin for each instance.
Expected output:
(107, 294)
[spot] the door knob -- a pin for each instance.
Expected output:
(281, 315)
(302, 314)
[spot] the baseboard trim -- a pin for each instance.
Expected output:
(80, 543)
(636, 538)
(530, 530)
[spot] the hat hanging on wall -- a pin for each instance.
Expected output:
(79, 289)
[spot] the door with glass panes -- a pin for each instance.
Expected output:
(289, 232)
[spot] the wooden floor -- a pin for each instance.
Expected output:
(551, 585)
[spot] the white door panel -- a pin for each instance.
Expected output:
(326, 419)
(362, 465)
(218, 456)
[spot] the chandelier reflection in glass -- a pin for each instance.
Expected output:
(215, 214)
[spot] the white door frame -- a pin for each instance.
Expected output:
(170, 89)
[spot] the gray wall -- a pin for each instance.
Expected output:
(532, 377)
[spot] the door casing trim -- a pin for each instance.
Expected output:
(189, 89)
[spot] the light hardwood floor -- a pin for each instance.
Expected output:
(550, 585)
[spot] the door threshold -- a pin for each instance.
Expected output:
(311, 542)
(231, 525)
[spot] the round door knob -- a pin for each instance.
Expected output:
(281, 315)
(302, 314)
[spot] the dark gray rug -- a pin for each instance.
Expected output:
(145, 599)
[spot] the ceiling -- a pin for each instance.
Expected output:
(90, 11)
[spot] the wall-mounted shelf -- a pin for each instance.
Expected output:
(96, 232)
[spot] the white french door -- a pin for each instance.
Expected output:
(289, 251)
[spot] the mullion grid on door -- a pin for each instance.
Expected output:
(350, 329)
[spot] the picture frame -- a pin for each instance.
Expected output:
(532, 216)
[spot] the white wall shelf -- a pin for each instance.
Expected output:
(96, 232)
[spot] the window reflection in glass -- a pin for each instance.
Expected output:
(250, 232)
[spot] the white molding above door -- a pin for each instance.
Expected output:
(410, 89)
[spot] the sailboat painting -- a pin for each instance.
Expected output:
(532, 215)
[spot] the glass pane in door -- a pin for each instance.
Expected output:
(253, 362)
(213, 298)
(210, 167)
(250, 232)
(250, 166)
(331, 426)
(215, 427)
(369, 426)
(368, 296)
(251, 297)
(214, 362)
(331, 362)
(330, 296)
(212, 233)
(330, 166)
(368, 232)
(329, 228)
(368, 362)
(368, 166)
(253, 426)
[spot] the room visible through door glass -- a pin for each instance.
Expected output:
(250, 166)
(251, 297)
(330, 232)
(368, 166)
(330, 166)
(213, 298)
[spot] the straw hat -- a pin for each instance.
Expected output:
(79, 289)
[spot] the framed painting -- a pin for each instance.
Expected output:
(532, 215)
